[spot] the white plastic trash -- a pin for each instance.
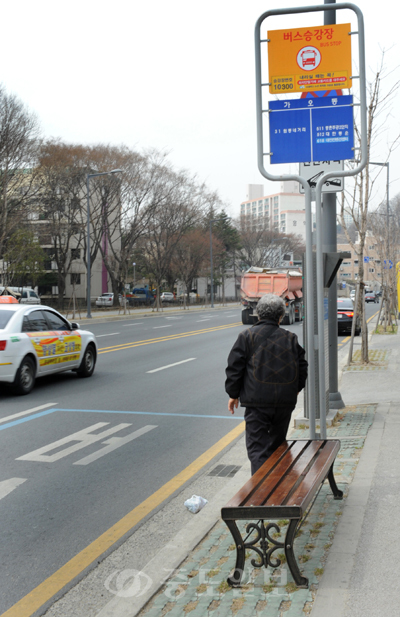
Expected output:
(195, 503)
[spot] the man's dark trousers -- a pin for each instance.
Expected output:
(266, 429)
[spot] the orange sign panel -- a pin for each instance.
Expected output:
(304, 59)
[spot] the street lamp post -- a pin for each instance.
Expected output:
(88, 176)
(387, 204)
(211, 263)
(134, 275)
(225, 218)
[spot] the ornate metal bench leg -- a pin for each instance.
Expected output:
(300, 580)
(236, 577)
(337, 493)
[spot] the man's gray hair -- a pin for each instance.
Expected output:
(270, 307)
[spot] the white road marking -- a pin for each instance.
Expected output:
(173, 318)
(200, 320)
(128, 325)
(7, 486)
(157, 327)
(84, 438)
(162, 368)
(26, 413)
(111, 334)
(113, 443)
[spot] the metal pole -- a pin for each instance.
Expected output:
(329, 231)
(89, 314)
(387, 211)
(211, 262)
(320, 315)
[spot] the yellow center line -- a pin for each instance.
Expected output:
(28, 605)
(162, 339)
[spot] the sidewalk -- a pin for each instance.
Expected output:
(347, 548)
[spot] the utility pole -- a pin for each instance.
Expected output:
(329, 242)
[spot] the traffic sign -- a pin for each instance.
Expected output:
(313, 171)
(308, 130)
(309, 59)
(366, 260)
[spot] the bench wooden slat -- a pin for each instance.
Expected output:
(278, 485)
(304, 493)
(276, 464)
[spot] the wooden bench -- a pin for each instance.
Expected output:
(283, 488)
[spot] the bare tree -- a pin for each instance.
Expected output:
(264, 248)
(19, 134)
(356, 202)
(181, 208)
(385, 225)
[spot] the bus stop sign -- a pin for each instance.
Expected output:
(308, 130)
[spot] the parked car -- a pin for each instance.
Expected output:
(167, 296)
(371, 297)
(345, 316)
(106, 299)
(37, 341)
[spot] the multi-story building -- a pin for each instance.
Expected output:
(283, 211)
(348, 271)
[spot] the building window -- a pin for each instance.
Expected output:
(294, 223)
(75, 278)
(371, 269)
(75, 254)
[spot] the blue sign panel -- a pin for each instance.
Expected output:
(366, 260)
(309, 130)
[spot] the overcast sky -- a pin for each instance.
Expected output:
(175, 75)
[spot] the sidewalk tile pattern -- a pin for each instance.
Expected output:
(199, 588)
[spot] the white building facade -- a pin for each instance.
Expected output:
(283, 211)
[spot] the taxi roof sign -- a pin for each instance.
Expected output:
(309, 59)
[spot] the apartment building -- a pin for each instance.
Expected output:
(282, 211)
(348, 271)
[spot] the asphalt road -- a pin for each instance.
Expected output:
(90, 451)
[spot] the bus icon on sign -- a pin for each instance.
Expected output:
(309, 57)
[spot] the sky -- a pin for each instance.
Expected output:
(173, 75)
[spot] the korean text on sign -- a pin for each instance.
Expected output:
(309, 59)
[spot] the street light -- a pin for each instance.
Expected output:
(225, 218)
(211, 262)
(88, 176)
(387, 201)
(134, 275)
(280, 247)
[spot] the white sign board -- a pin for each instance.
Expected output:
(313, 171)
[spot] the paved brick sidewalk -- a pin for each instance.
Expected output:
(199, 589)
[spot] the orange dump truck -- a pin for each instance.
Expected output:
(284, 282)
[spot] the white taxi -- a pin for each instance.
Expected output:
(37, 341)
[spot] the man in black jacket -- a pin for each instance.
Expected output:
(266, 371)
